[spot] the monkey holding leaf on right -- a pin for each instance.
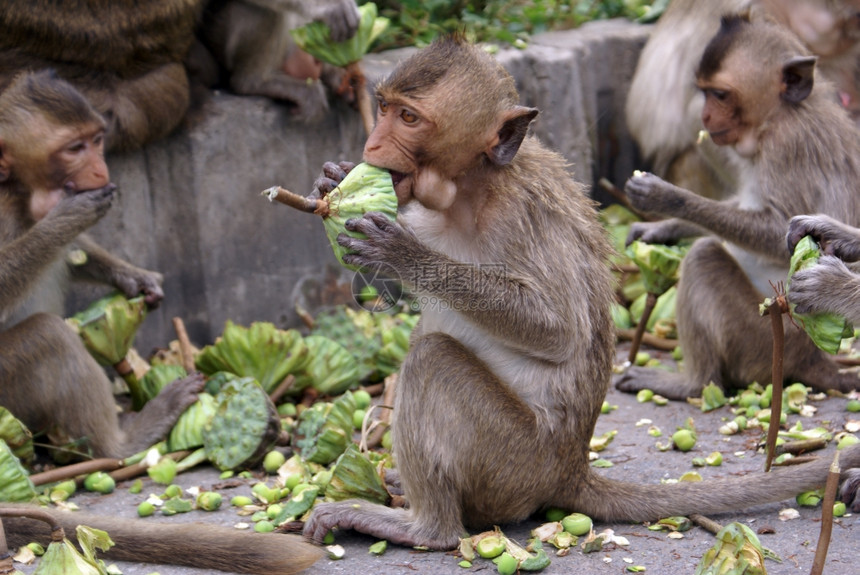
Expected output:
(799, 153)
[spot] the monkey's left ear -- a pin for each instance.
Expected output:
(515, 126)
(797, 79)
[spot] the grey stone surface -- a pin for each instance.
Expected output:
(190, 206)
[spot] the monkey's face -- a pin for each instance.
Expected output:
(397, 143)
(68, 161)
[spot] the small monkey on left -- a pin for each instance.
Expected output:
(54, 185)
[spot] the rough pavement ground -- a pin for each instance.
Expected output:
(635, 458)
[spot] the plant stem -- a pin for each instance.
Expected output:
(301, 203)
(124, 369)
(775, 312)
(650, 302)
(826, 517)
(362, 98)
(184, 345)
(648, 339)
(71, 471)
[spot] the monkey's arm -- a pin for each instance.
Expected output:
(835, 238)
(493, 297)
(24, 258)
(663, 232)
(341, 16)
(761, 230)
(104, 267)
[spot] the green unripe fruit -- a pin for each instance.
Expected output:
(576, 524)
(644, 395)
(209, 500)
(853, 406)
(555, 514)
(506, 564)
(99, 482)
(839, 509)
(173, 490)
(684, 439)
(145, 509)
(358, 418)
(362, 399)
(490, 547)
(847, 440)
(273, 460)
(264, 526)
(714, 459)
(241, 501)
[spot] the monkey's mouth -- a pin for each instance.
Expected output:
(396, 177)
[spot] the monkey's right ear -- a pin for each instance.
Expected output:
(515, 126)
(5, 168)
(797, 79)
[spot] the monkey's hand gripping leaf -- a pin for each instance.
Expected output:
(365, 189)
(826, 329)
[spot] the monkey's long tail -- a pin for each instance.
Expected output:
(610, 500)
(190, 544)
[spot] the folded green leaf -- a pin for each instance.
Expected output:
(315, 38)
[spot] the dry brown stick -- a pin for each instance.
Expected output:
(185, 349)
(795, 460)
(620, 197)
(301, 203)
(776, 380)
(139, 468)
(282, 388)
(74, 470)
(801, 446)
(830, 488)
(848, 361)
(648, 339)
(650, 302)
(362, 97)
(705, 523)
(384, 417)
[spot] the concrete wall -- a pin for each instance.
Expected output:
(190, 205)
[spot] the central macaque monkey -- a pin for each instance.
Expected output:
(54, 185)
(800, 154)
(663, 110)
(498, 396)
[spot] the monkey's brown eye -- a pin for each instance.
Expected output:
(408, 117)
(383, 106)
(718, 94)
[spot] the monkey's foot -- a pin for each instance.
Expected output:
(849, 493)
(393, 525)
(668, 384)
